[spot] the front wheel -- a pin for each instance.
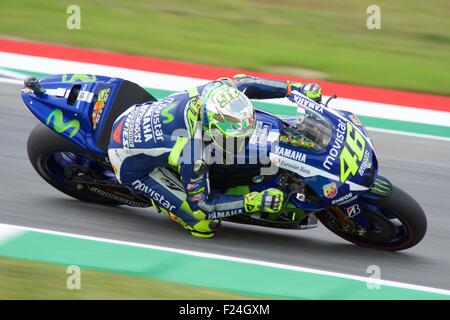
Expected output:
(51, 155)
(395, 222)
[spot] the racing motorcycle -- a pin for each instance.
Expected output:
(322, 158)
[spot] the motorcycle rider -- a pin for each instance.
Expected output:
(151, 157)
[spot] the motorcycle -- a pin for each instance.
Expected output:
(322, 158)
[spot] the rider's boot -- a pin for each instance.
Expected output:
(202, 228)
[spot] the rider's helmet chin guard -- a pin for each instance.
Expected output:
(228, 116)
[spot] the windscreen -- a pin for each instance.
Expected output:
(309, 127)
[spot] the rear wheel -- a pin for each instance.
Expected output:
(395, 222)
(53, 157)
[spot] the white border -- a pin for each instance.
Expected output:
(236, 259)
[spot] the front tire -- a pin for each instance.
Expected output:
(398, 206)
(43, 144)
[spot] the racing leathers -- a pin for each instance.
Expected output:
(154, 150)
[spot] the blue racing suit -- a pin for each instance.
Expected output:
(152, 150)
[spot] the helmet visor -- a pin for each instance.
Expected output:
(234, 119)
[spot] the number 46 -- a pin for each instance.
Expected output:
(349, 158)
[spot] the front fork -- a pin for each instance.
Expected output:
(351, 214)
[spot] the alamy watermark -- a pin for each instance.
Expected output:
(215, 148)
(373, 21)
(73, 21)
(73, 281)
(375, 274)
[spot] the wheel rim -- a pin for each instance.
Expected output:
(54, 167)
(385, 228)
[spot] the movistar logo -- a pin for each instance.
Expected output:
(165, 113)
(60, 126)
(78, 77)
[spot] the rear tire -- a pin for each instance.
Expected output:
(405, 208)
(42, 143)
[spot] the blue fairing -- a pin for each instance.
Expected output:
(74, 118)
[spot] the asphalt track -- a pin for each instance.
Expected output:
(420, 166)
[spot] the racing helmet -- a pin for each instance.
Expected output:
(228, 116)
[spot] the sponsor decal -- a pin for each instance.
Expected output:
(152, 123)
(194, 188)
(59, 92)
(365, 164)
(197, 198)
(85, 96)
(353, 211)
(138, 185)
(330, 190)
(126, 132)
(132, 132)
(336, 146)
(256, 133)
(78, 77)
(224, 214)
(308, 103)
(60, 126)
(381, 187)
(355, 119)
(290, 154)
(294, 166)
(99, 105)
(118, 198)
(261, 133)
(165, 113)
(342, 199)
(171, 182)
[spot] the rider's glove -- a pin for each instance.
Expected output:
(270, 201)
(311, 90)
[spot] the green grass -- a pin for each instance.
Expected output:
(328, 37)
(22, 279)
